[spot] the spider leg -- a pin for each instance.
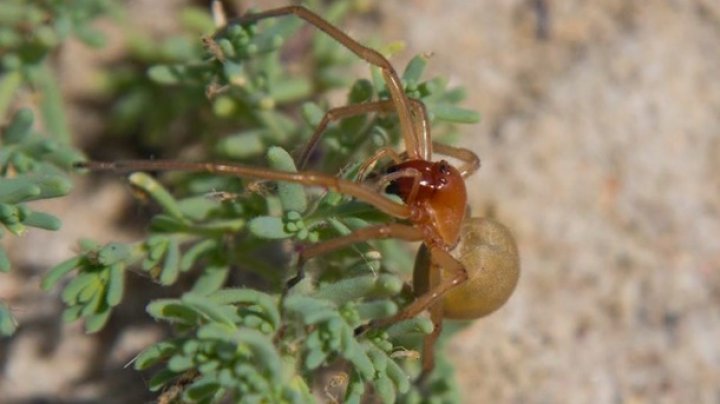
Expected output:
(457, 274)
(368, 164)
(406, 172)
(428, 353)
(377, 232)
(361, 192)
(471, 161)
(338, 113)
(415, 146)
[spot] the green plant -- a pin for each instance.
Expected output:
(34, 165)
(255, 344)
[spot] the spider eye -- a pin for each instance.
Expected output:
(444, 167)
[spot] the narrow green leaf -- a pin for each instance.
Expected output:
(116, 285)
(195, 252)
(315, 358)
(264, 351)
(292, 196)
(42, 221)
(290, 90)
(157, 192)
(71, 314)
(114, 253)
(166, 74)
(171, 265)
(209, 309)
(349, 289)
(413, 326)
(201, 389)
(237, 296)
(154, 354)
(18, 190)
(384, 389)
(160, 379)
(172, 310)
(10, 81)
(361, 91)
(95, 322)
(243, 145)
(398, 377)
(77, 285)
(51, 103)
(51, 186)
(451, 113)
(218, 332)
(376, 309)
(311, 113)
(180, 363)
(211, 279)
(19, 127)
(268, 227)
(362, 362)
(414, 69)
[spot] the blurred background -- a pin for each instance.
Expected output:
(600, 148)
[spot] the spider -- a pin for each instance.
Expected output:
(484, 271)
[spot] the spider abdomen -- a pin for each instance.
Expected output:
(490, 256)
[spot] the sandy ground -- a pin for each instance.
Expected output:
(600, 143)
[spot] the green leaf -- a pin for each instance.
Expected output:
(290, 89)
(195, 252)
(166, 74)
(42, 221)
(201, 389)
(116, 285)
(209, 309)
(417, 325)
(384, 389)
(51, 186)
(361, 91)
(171, 265)
(19, 127)
(160, 379)
(95, 322)
(242, 145)
(154, 354)
(414, 69)
(451, 113)
(268, 227)
(398, 377)
(236, 296)
(312, 114)
(292, 196)
(71, 314)
(348, 289)
(315, 358)
(180, 363)
(18, 190)
(212, 278)
(376, 309)
(172, 310)
(70, 294)
(114, 253)
(158, 192)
